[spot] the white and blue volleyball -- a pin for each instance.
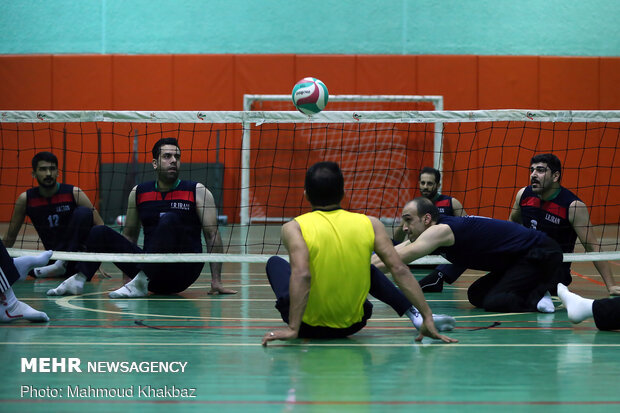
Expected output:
(310, 95)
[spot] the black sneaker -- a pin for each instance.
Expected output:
(432, 283)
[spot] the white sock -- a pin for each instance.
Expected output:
(11, 309)
(443, 322)
(28, 262)
(73, 285)
(577, 307)
(56, 269)
(545, 305)
(138, 287)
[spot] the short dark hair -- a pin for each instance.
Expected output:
(324, 184)
(426, 206)
(43, 156)
(162, 142)
(432, 171)
(552, 161)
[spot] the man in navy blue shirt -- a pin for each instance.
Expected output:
(62, 214)
(545, 205)
(172, 213)
(523, 264)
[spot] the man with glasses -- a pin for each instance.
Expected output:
(547, 206)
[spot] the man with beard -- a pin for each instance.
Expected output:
(61, 214)
(172, 212)
(522, 263)
(429, 187)
(547, 206)
(428, 181)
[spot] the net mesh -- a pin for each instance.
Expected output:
(485, 160)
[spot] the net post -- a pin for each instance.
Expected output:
(244, 207)
(438, 140)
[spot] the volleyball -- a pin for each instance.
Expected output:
(120, 220)
(310, 95)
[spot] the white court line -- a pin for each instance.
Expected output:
(65, 303)
(435, 343)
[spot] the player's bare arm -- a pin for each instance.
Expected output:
(207, 214)
(131, 231)
(82, 200)
(299, 288)
(405, 281)
(17, 219)
(439, 235)
(515, 212)
(579, 218)
(458, 209)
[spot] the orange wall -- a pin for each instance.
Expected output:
(218, 82)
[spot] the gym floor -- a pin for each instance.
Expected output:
(521, 362)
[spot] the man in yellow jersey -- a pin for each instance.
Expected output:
(323, 292)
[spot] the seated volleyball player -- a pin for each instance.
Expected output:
(605, 311)
(523, 263)
(12, 270)
(547, 206)
(428, 180)
(172, 212)
(61, 214)
(323, 292)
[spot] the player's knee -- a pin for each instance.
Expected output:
(97, 236)
(475, 297)
(83, 217)
(275, 264)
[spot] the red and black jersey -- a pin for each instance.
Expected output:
(444, 204)
(51, 216)
(550, 217)
(181, 200)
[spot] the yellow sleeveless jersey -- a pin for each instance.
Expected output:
(340, 245)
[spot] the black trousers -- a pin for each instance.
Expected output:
(520, 286)
(607, 313)
(279, 274)
(163, 278)
(76, 235)
(8, 272)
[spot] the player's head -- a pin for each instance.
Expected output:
(418, 215)
(428, 180)
(324, 184)
(545, 172)
(167, 159)
(45, 169)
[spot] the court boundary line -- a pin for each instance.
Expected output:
(434, 343)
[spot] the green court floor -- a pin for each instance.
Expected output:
(511, 362)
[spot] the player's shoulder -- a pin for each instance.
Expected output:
(569, 195)
(521, 191)
(290, 227)
(145, 186)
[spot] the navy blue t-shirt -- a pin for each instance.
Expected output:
(550, 217)
(181, 200)
(487, 244)
(51, 216)
(444, 204)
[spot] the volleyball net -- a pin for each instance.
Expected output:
(254, 163)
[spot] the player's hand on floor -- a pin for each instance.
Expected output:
(280, 334)
(428, 330)
(218, 288)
